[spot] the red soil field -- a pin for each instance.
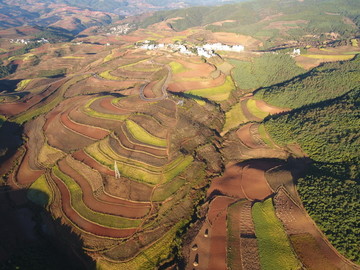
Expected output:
(83, 157)
(88, 131)
(148, 92)
(297, 222)
(83, 223)
(247, 135)
(262, 105)
(191, 85)
(25, 176)
(195, 70)
(129, 210)
(244, 180)
(106, 104)
(218, 233)
(63, 138)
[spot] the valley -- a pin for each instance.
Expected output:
(168, 147)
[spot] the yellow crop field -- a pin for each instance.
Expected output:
(22, 84)
(254, 109)
(334, 57)
(142, 135)
(217, 93)
(176, 67)
(106, 75)
(234, 117)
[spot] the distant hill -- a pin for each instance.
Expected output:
(76, 15)
(273, 21)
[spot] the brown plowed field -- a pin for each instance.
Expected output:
(246, 135)
(25, 176)
(195, 70)
(317, 249)
(83, 157)
(195, 85)
(33, 130)
(124, 210)
(61, 137)
(83, 223)
(88, 131)
(148, 90)
(262, 105)
(249, 250)
(244, 180)
(218, 233)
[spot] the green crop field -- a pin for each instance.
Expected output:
(217, 93)
(78, 204)
(140, 134)
(176, 67)
(254, 109)
(22, 84)
(274, 246)
(234, 117)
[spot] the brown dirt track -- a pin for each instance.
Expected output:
(83, 223)
(111, 205)
(316, 254)
(88, 131)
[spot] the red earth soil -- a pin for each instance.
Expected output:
(245, 135)
(88, 131)
(242, 180)
(83, 223)
(192, 85)
(247, 113)
(148, 92)
(262, 105)
(218, 233)
(129, 210)
(83, 157)
(106, 104)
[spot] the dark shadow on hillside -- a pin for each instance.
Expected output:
(10, 139)
(31, 239)
(8, 86)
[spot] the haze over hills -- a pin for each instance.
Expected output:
(76, 15)
(198, 138)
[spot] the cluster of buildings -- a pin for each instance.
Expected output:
(207, 50)
(121, 29)
(27, 41)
